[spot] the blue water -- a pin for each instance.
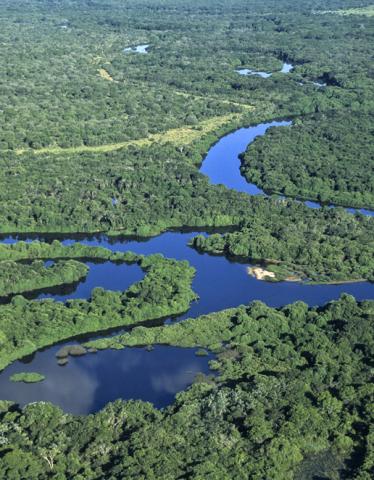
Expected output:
(107, 275)
(222, 164)
(247, 71)
(286, 68)
(219, 282)
(137, 49)
(87, 383)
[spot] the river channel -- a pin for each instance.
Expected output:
(87, 383)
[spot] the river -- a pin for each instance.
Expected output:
(87, 383)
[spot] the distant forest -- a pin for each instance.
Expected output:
(98, 139)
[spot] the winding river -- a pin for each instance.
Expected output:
(87, 383)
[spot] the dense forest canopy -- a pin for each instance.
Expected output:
(291, 400)
(295, 243)
(98, 138)
(326, 157)
(27, 326)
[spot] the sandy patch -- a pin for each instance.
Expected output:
(260, 273)
(105, 75)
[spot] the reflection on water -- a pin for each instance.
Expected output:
(286, 68)
(87, 383)
(219, 282)
(247, 71)
(107, 275)
(222, 164)
(137, 49)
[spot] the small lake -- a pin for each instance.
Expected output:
(86, 384)
(107, 275)
(137, 49)
(286, 68)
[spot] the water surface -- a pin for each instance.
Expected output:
(222, 163)
(286, 68)
(137, 49)
(87, 383)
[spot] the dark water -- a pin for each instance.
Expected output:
(107, 275)
(87, 383)
(222, 164)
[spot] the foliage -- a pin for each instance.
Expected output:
(96, 140)
(292, 400)
(26, 326)
(185, 83)
(337, 248)
(19, 277)
(56, 250)
(326, 157)
(27, 377)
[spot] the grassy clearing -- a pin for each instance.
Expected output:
(105, 75)
(179, 136)
(244, 106)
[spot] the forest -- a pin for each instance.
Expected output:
(325, 157)
(317, 252)
(28, 325)
(176, 85)
(99, 140)
(291, 399)
(19, 277)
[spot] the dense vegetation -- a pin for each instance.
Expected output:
(93, 139)
(57, 250)
(315, 251)
(187, 78)
(27, 325)
(20, 277)
(194, 49)
(291, 400)
(27, 377)
(139, 190)
(325, 157)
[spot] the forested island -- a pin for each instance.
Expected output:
(27, 326)
(107, 113)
